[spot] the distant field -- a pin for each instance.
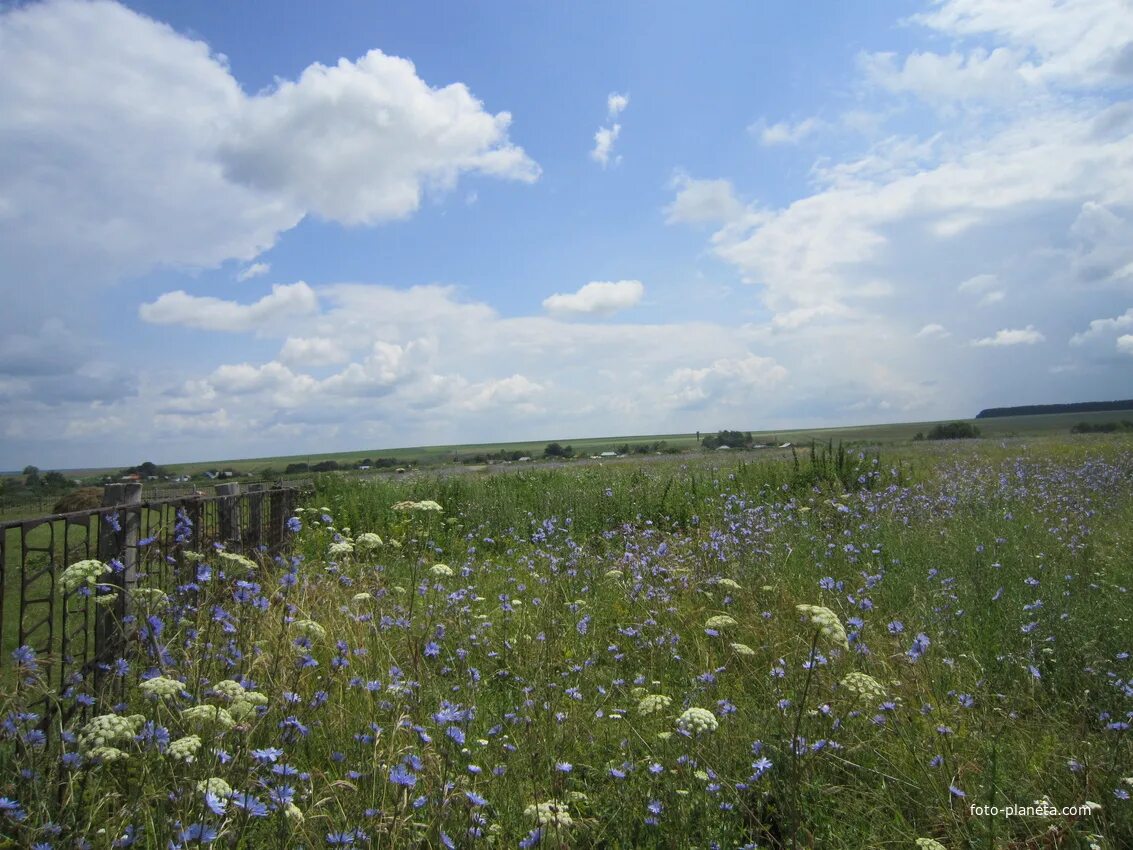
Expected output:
(1012, 426)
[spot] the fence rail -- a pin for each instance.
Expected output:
(74, 637)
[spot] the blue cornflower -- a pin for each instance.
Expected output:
(254, 806)
(398, 775)
(531, 839)
(215, 804)
(268, 755)
(456, 733)
(12, 809)
(295, 524)
(24, 656)
(432, 649)
(564, 767)
(343, 839)
(655, 807)
(200, 833)
(475, 799)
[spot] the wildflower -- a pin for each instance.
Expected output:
(368, 540)
(82, 573)
(653, 703)
(920, 645)
(185, 749)
(728, 584)
(441, 570)
(109, 729)
(361, 597)
(400, 775)
(864, 686)
(614, 574)
(294, 524)
(309, 628)
(269, 755)
(24, 656)
(697, 721)
(720, 621)
(826, 621)
(214, 785)
(229, 689)
(209, 715)
(929, 844)
(341, 549)
(549, 813)
(741, 649)
(564, 767)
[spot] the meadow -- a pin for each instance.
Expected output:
(874, 648)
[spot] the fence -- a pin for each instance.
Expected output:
(72, 635)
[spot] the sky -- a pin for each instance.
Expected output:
(248, 230)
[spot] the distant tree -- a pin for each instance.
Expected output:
(293, 468)
(56, 481)
(954, 431)
(918, 436)
(325, 466)
(731, 439)
(269, 472)
(553, 450)
(31, 476)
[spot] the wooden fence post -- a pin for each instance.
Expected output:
(277, 517)
(228, 512)
(255, 535)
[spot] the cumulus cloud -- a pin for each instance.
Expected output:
(1101, 328)
(616, 103)
(597, 298)
(254, 270)
(1005, 337)
(695, 387)
(312, 351)
(129, 146)
(1125, 343)
(216, 314)
(702, 201)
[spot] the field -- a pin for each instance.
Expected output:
(714, 650)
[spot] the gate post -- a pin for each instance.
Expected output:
(228, 512)
(111, 625)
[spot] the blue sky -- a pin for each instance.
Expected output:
(226, 231)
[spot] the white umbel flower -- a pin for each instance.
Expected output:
(653, 703)
(827, 622)
(549, 813)
(697, 721)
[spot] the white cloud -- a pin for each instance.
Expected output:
(598, 298)
(1125, 343)
(603, 143)
(694, 387)
(128, 146)
(785, 133)
(1100, 328)
(312, 351)
(702, 201)
(933, 331)
(215, 314)
(359, 141)
(1004, 337)
(615, 104)
(254, 270)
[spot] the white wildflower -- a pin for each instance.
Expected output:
(209, 715)
(237, 560)
(441, 570)
(229, 689)
(340, 550)
(696, 721)
(82, 572)
(310, 628)
(741, 649)
(929, 844)
(185, 749)
(162, 686)
(827, 622)
(614, 574)
(720, 621)
(549, 813)
(361, 597)
(368, 540)
(728, 584)
(216, 785)
(864, 686)
(653, 703)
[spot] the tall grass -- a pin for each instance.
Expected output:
(614, 657)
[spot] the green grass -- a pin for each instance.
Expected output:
(568, 595)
